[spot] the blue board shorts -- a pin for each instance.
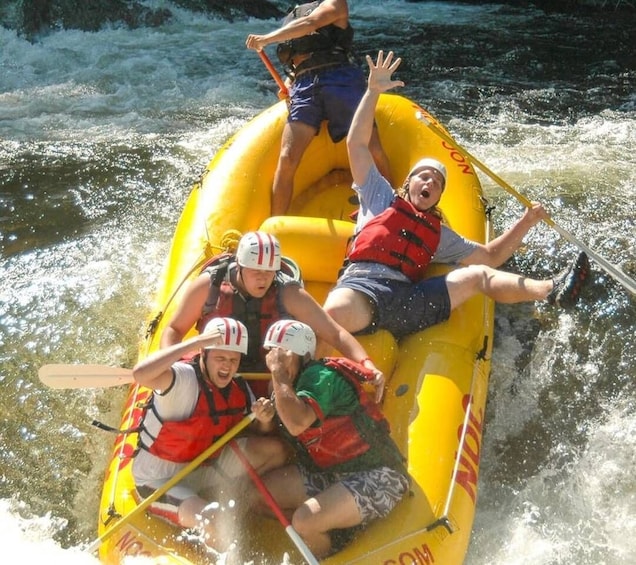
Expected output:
(400, 307)
(331, 94)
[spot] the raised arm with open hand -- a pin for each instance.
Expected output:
(361, 129)
(381, 71)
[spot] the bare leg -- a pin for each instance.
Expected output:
(313, 517)
(286, 486)
(503, 287)
(351, 309)
(266, 452)
(216, 525)
(332, 508)
(189, 510)
(296, 138)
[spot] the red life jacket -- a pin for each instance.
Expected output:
(256, 313)
(215, 413)
(400, 237)
(341, 439)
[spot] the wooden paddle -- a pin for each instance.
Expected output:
(289, 529)
(141, 507)
(60, 376)
(84, 376)
(614, 271)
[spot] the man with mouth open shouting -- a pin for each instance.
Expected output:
(398, 235)
(195, 402)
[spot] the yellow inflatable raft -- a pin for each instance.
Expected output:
(437, 380)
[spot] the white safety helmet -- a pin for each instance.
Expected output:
(233, 334)
(429, 163)
(293, 335)
(259, 250)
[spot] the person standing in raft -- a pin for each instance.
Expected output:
(193, 404)
(398, 235)
(252, 287)
(348, 471)
(315, 45)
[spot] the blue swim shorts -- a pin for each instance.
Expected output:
(331, 94)
(403, 308)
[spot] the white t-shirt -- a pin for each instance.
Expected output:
(178, 403)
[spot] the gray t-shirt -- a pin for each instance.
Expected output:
(376, 195)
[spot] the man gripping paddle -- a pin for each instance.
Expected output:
(195, 403)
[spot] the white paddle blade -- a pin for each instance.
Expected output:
(84, 376)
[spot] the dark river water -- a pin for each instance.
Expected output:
(101, 138)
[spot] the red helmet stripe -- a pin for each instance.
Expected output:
(272, 247)
(228, 331)
(260, 248)
(282, 331)
(239, 333)
(263, 246)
